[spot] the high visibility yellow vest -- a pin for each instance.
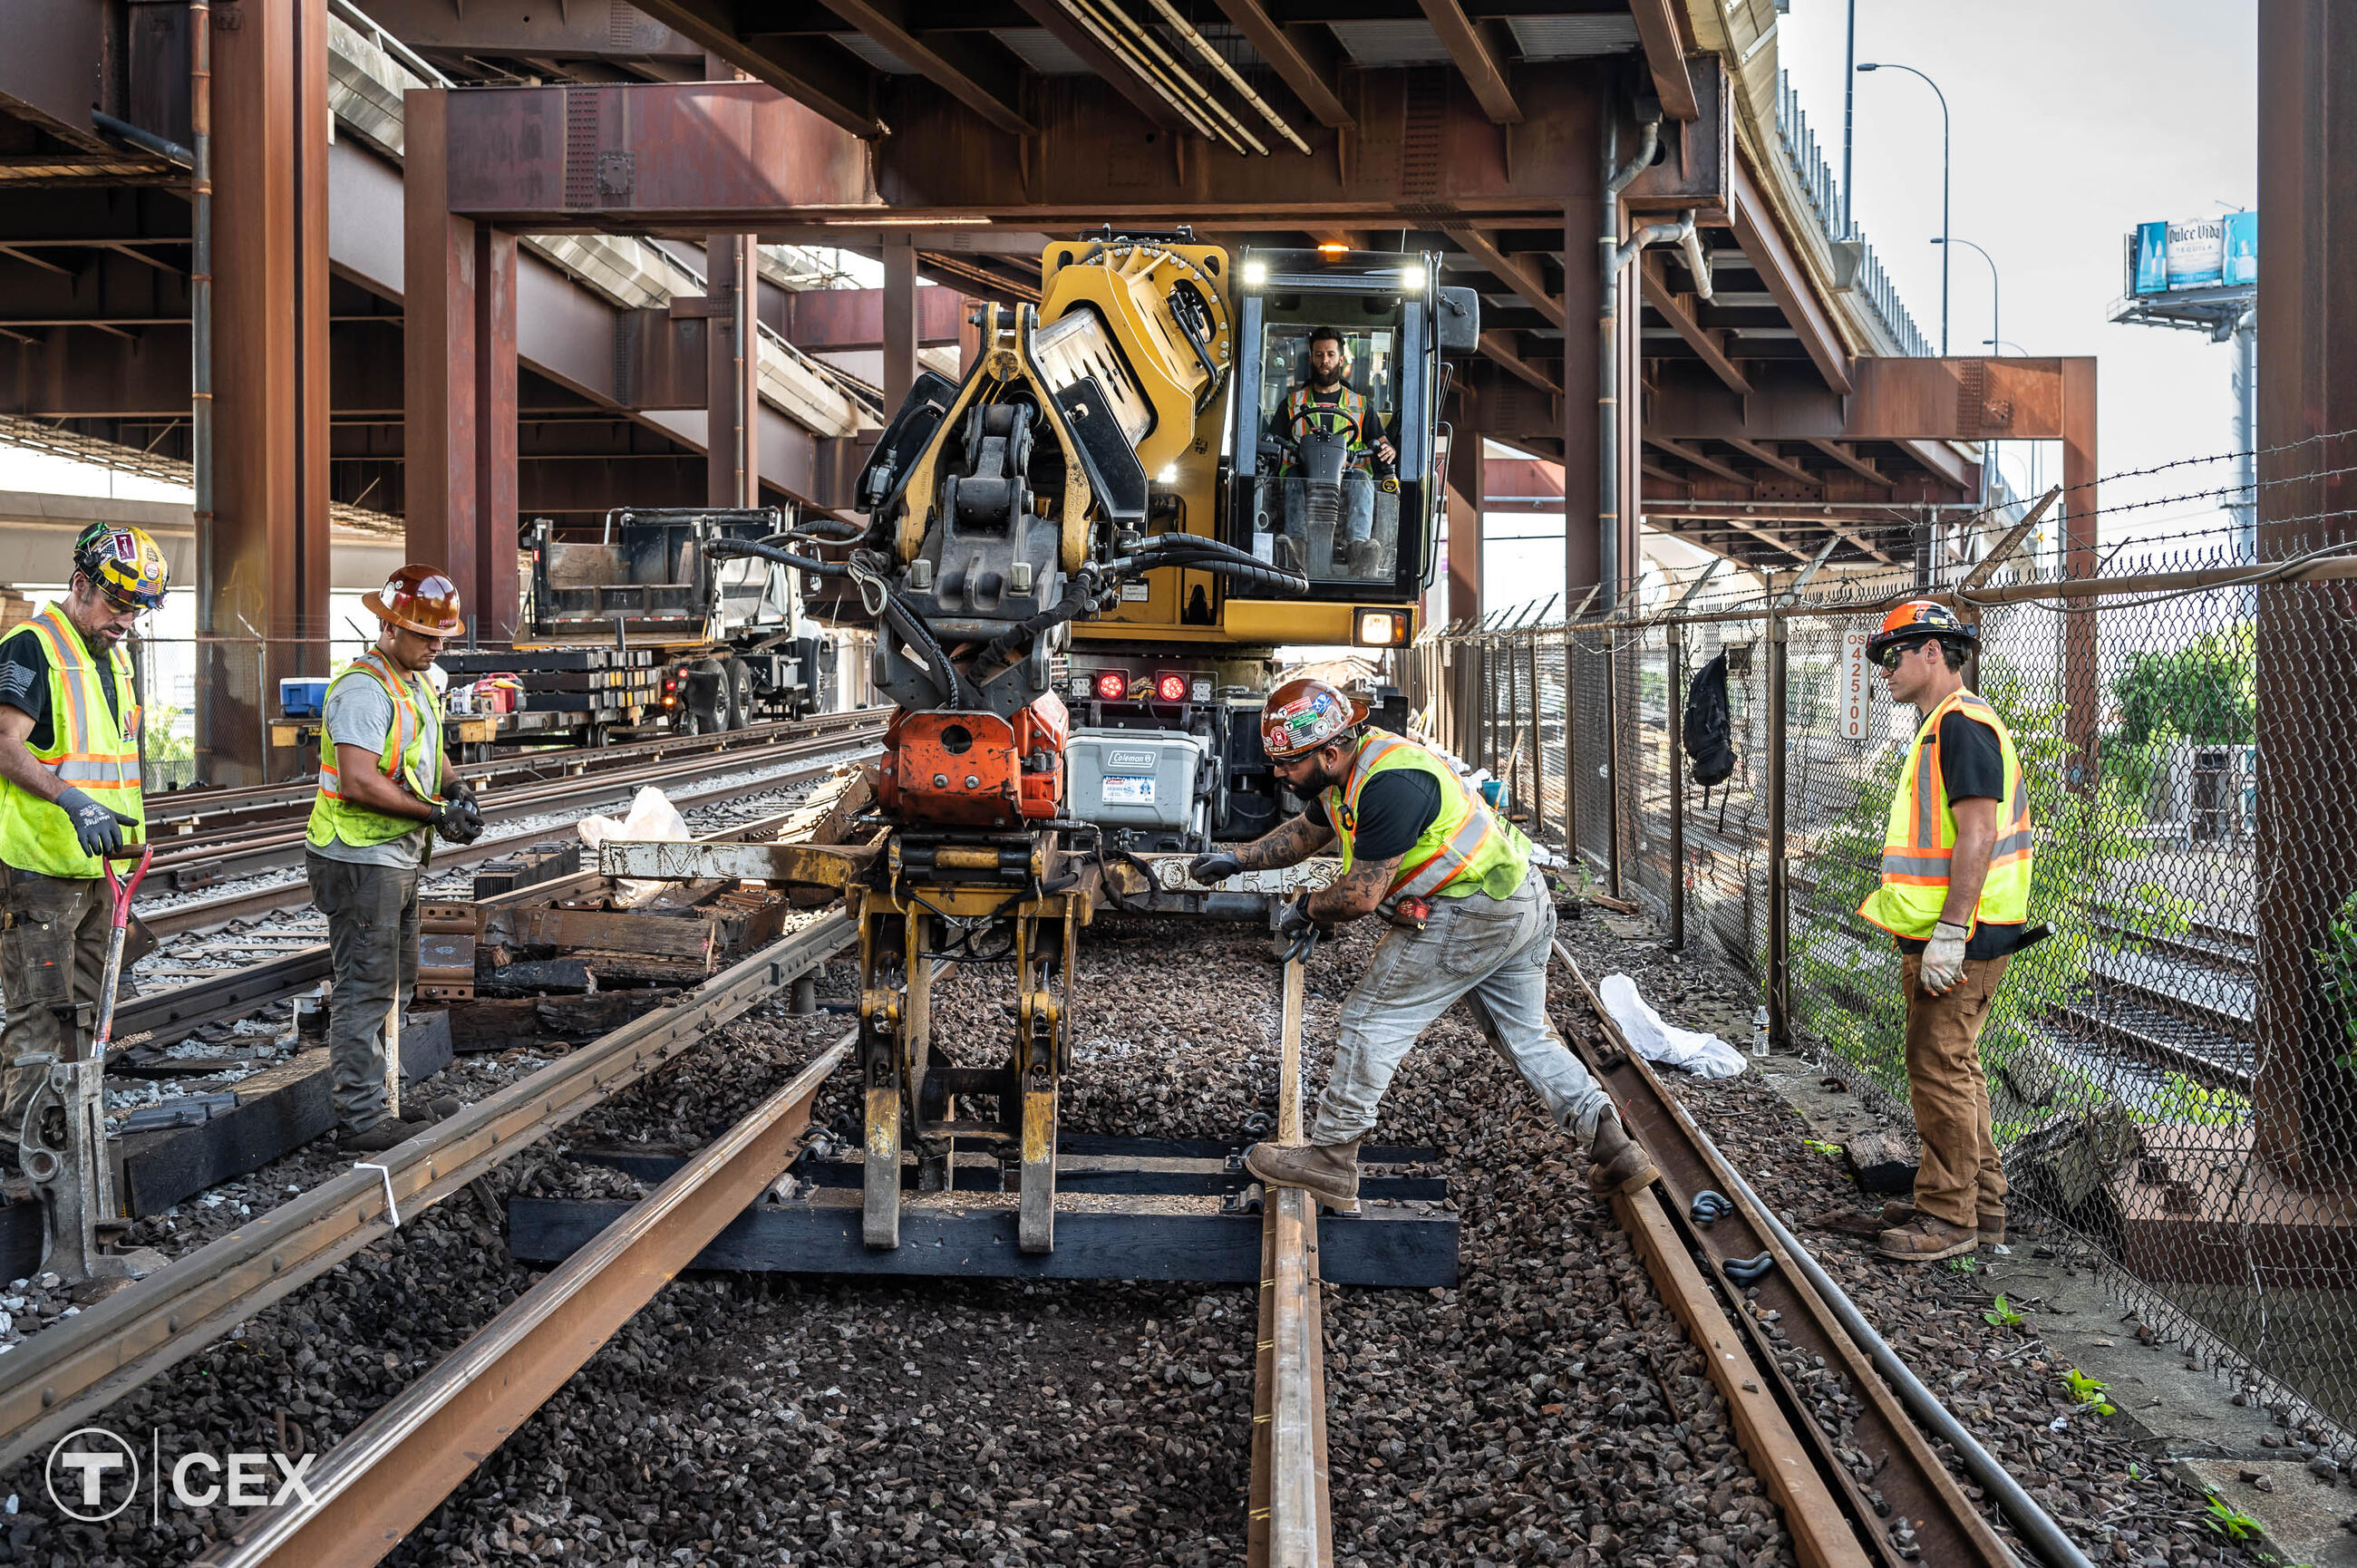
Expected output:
(1920, 839)
(1345, 416)
(412, 748)
(1468, 848)
(88, 749)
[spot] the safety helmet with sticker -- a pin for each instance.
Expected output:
(124, 563)
(1919, 620)
(1303, 714)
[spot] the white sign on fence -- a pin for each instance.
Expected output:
(1855, 687)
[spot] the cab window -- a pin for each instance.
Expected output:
(1327, 491)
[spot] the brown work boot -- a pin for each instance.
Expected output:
(1619, 1163)
(440, 1109)
(1990, 1221)
(1926, 1239)
(1326, 1172)
(389, 1134)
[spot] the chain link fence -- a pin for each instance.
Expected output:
(2173, 1071)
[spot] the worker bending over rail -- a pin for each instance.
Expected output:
(68, 795)
(1471, 919)
(386, 786)
(1955, 893)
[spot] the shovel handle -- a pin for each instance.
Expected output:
(124, 886)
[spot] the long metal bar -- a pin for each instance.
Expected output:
(1780, 949)
(1612, 760)
(61, 1377)
(399, 1464)
(1907, 1473)
(200, 266)
(1538, 742)
(1676, 740)
(1292, 1521)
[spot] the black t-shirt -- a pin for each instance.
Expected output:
(1393, 810)
(1972, 765)
(25, 685)
(1371, 427)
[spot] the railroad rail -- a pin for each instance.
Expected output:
(57, 1380)
(1291, 1522)
(1833, 1519)
(283, 847)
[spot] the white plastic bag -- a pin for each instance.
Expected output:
(1706, 1056)
(652, 819)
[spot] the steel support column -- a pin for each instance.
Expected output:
(262, 566)
(1465, 482)
(899, 320)
(2306, 633)
(733, 372)
(1582, 297)
(2082, 672)
(459, 382)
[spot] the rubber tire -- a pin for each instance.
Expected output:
(710, 720)
(737, 685)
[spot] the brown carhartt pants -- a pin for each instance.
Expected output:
(1961, 1177)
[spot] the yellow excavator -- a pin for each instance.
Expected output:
(1078, 561)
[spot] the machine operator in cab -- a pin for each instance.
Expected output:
(69, 798)
(1327, 405)
(386, 786)
(1471, 919)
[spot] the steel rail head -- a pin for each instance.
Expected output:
(400, 1463)
(58, 1378)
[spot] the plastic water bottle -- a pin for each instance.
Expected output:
(1760, 1030)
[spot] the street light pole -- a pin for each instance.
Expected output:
(1997, 330)
(1944, 167)
(1849, 106)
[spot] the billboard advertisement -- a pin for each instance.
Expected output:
(2204, 253)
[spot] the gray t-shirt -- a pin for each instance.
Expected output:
(360, 713)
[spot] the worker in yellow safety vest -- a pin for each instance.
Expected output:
(1955, 893)
(68, 795)
(387, 788)
(1471, 919)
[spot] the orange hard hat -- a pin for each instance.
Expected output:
(420, 598)
(1303, 714)
(1917, 621)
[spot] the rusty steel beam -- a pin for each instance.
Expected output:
(263, 556)
(1477, 60)
(1709, 344)
(1503, 351)
(1843, 453)
(1305, 56)
(1117, 68)
(1467, 484)
(1786, 279)
(972, 67)
(532, 29)
(1658, 30)
(832, 83)
(1522, 277)
(1760, 453)
(732, 380)
(900, 314)
(396, 1466)
(1697, 457)
(831, 320)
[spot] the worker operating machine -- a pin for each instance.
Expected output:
(1078, 561)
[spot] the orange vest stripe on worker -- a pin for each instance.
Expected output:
(1464, 850)
(412, 751)
(1349, 404)
(89, 750)
(1919, 842)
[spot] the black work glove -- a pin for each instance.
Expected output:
(457, 788)
(99, 829)
(458, 821)
(1297, 930)
(1216, 867)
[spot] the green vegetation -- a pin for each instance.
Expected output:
(2181, 1101)
(2088, 1391)
(2229, 1520)
(2205, 692)
(161, 738)
(2339, 958)
(2004, 1316)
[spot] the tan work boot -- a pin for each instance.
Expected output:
(1926, 1239)
(1621, 1163)
(1326, 1172)
(1990, 1221)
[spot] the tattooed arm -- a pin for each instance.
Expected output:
(1290, 843)
(1357, 892)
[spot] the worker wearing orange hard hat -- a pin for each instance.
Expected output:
(1470, 920)
(1954, 893)
(70, 798)
(387, 788)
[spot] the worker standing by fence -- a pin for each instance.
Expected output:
(1955, 893)
(386, 786)
(69, 794)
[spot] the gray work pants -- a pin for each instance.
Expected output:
(1492, 952)
(52, 957)
(373, 946)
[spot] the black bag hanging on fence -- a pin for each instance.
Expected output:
(1708, 725)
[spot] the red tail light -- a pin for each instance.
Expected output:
(1171, 688)
(1112, 686)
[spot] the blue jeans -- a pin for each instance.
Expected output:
(1492, 953)
(1358, 506)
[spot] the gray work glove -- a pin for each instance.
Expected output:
(98, 828)
(1943, 958)
(1214, 867)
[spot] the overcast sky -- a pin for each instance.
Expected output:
(2073, 121)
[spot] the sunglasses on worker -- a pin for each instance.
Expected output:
(1889, 657)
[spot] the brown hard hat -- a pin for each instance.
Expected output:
(1303, 714)
(421, 599)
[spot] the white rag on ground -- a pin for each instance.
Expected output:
(1706, 1056)
(652, 819)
